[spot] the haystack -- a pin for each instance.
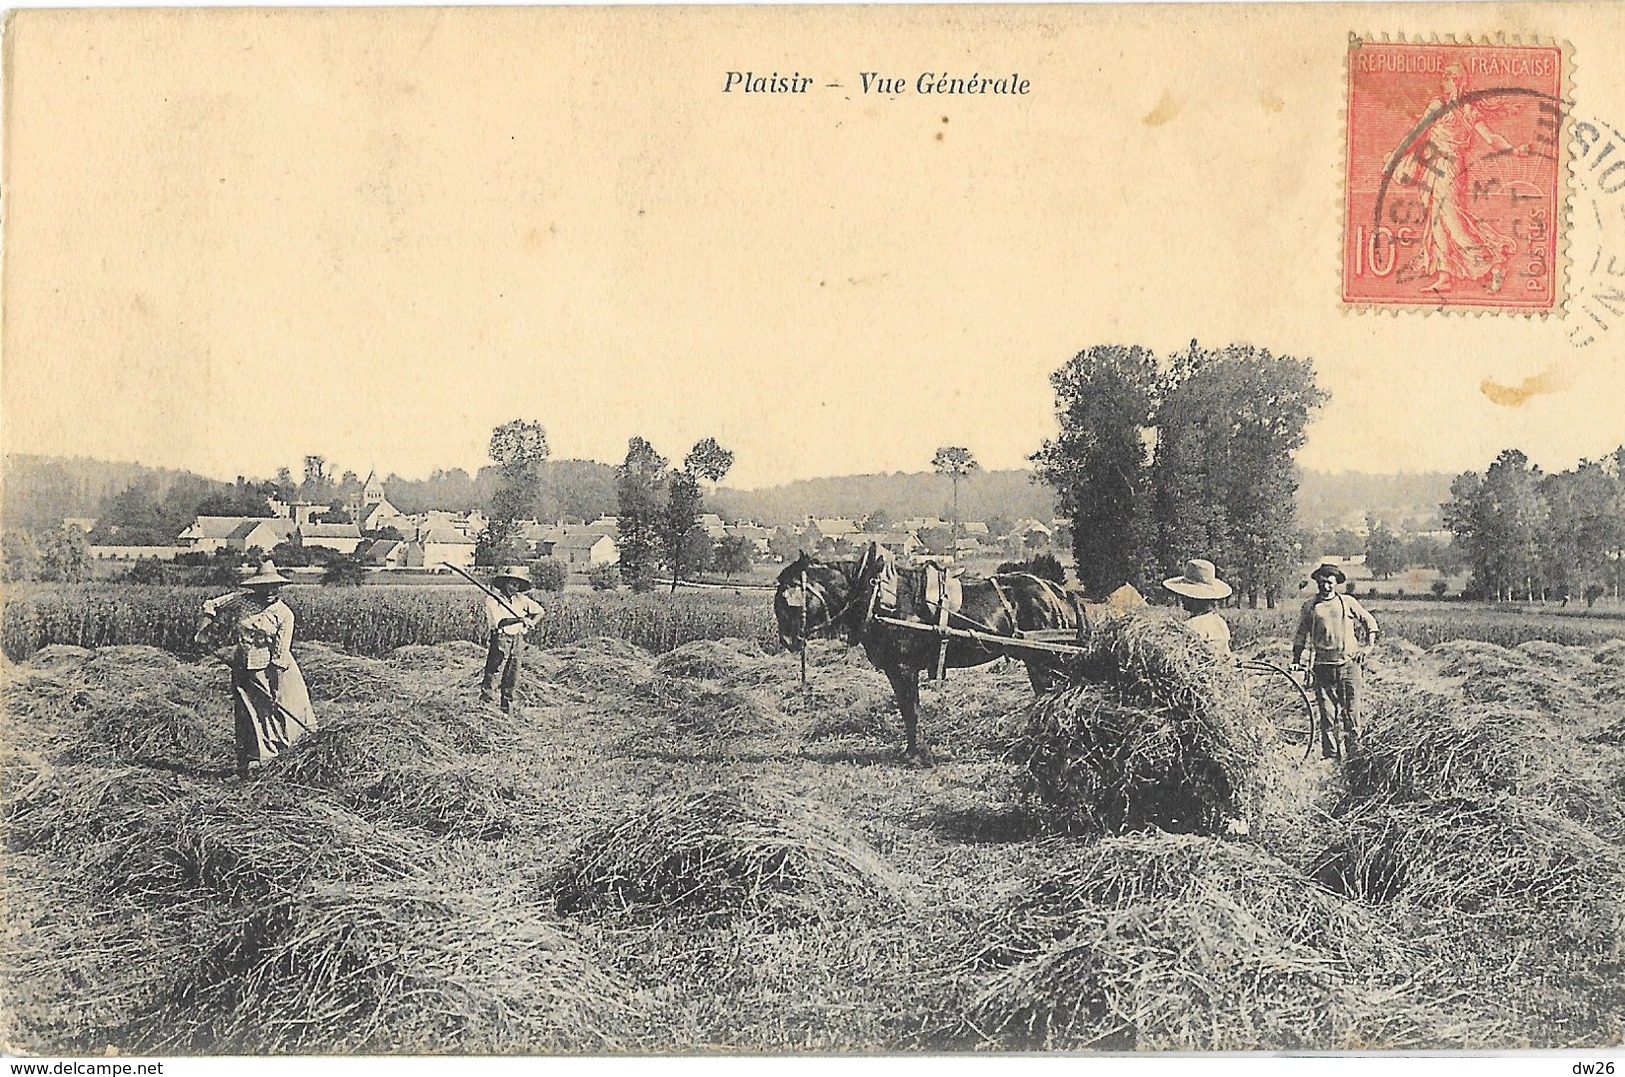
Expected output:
(597, 663)
(458, 799)
(1188, 943)
(1153, 731)
(702, 709)
(419, 965)
(1471, 855)
(720, 852)
(336, 677)
(246, 844)
(153, 729)
(731, 661)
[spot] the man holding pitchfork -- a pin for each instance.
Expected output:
(509, 614)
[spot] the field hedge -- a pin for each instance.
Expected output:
(373, 620)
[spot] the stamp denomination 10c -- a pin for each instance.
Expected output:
(1454, 189)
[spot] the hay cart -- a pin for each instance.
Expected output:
(1064, 642)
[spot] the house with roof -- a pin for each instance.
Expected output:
(341, 538)
(586, 550)
(900, 543)
(712, 525)
(832, 528)
(446, 546)
(755, 534)
(390, 553)
(208, 534)
(255, 534)
(382, 515)
(607, 525)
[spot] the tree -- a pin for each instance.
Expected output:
(1384, 552)
(1499, 519)
(133, 517)
(549, 574)
(685, 547)
(19, 558)
(317, 486)
(1097, 464)
(343, 570)
(709, 461)
(64, 556)
(639, 489)
(603, 578)
(734, 554)
(1229, 423)
(957, 463)
(518, 449)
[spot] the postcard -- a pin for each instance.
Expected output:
(828, 530)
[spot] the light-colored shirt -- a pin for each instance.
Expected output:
(1328, 624)
(521, 604)
(1211, 627)
(265, 636)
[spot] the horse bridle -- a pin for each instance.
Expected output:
(831, 620)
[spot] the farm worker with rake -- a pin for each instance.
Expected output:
(1329, 623)
(509, 614)
(269, 698)
(1200, 591)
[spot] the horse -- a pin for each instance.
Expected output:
(838, 600)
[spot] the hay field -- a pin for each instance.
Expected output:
(682, 852)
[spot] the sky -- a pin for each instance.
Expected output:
(236, 237)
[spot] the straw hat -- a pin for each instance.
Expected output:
(266, 576)
(1328, 569)
(1201, 580)
(515, 572)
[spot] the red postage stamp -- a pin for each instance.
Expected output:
(1453, 194)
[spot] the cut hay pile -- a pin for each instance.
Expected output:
(597, 663)
(411, 965)
(719, 853)
(1424, 744)
(423, 768)
(458, 658)
(1153, 731)
(731, 661)
(683, 707)
(117, 706)
(1498, 675)
(1187, 943)
(1472, 855)
(336, 677)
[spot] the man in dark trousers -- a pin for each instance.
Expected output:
(1328, 623)
(509, 614)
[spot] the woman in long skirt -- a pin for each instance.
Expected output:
(269, 696)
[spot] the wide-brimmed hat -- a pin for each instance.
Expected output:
(266, 576)
(515, 572)
(1201, 580)
(1328, 569)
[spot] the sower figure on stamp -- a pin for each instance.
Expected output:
(1329, 624)
(270, 701)
(1457, 243)
(1200, 591)
(508, 617)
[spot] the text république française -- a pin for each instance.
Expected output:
(872, 82)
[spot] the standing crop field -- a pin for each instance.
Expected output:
(372, 620)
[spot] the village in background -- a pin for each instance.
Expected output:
(165, 526)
